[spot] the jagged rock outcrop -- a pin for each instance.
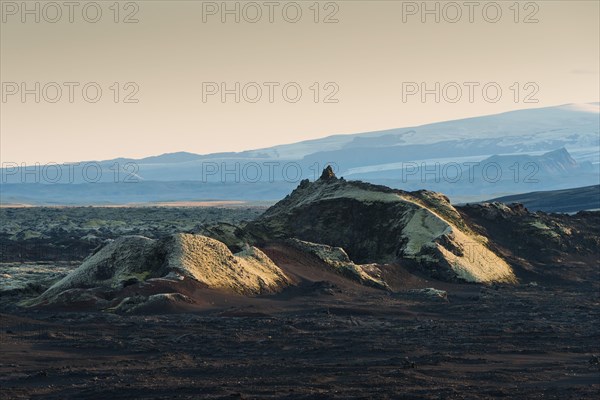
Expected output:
(136, 260)
(540, 239)
(431, 293)
(376, 224)
(338, 260)
(232, 235)
(142, 304)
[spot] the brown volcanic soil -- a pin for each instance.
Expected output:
(325, 338)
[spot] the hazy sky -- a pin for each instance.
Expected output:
(373, 61)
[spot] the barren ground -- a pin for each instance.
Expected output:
(327, 338)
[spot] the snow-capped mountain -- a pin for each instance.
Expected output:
(534, 149)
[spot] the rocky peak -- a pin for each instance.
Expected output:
(328, 174)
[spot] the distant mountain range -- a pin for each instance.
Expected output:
(469, 160)
(498, 174)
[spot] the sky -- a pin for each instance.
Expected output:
(94, 81)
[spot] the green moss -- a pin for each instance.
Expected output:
(140, 276)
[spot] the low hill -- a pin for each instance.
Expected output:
(178, 263)
(558, 201)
